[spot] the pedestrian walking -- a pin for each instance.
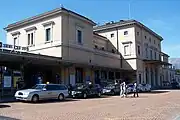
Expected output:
(121, 89)
(135, 90)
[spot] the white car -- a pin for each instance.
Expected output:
(43, 92)
(144, 87)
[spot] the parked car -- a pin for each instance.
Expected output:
(175, 85)
(130, 88)
(111, 89)
(43, 92)
(86, 90)
(147, 87)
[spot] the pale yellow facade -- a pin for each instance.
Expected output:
(74, 39)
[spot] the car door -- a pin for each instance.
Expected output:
(63, 89)
(50, 89)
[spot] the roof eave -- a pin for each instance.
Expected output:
(131, 23)
(46, 14)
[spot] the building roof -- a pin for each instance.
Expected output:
(96, 34)
(164, 54)
(122, 23)
(46, 14)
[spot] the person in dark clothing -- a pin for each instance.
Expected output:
(135, 90)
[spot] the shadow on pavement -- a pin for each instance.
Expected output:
(4, 106)
(158, 92)
(53, 101)
(103, 96)
(7, 118)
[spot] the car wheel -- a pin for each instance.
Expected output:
(35, 98)
(112, 92)
(84, 95)
(99, 94)
(61, 97)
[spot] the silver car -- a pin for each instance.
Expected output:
(43, 92)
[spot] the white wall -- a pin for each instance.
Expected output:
(39, 37)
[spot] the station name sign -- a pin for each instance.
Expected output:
(12, 47)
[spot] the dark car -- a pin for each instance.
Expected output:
(85, 90)
(111, 89)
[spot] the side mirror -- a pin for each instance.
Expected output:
(44, 89)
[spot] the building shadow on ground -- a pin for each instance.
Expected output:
(7, 118)
(157, 92)
(103, 96)
(4, 106)
(53, 101)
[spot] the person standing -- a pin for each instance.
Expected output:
(121, 89)
(135, 90)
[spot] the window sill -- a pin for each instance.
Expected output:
(127, 55)
(31, 45)
(48, 42)
(80, 43)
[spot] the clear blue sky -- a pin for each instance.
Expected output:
(162, 16)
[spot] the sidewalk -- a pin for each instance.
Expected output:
(7, 100)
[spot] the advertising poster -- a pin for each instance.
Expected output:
(7, 81)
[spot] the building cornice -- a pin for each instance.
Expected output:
(123, 24)
(45, 15)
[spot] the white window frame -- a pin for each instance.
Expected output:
(112, 35)
(126, 31)
(30, 31)
(139, 50)
(15, 35)
(128, 52)
(80, 29)
(50, 35)
(15, 42)
(47, 25)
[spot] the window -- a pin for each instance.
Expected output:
(112, 35)
(79, 36)
(155, 55)
(102, 48)
(139, 50)
(151, 53)
(79, 75)
(138, 33)
(126, 50)
(145, 37)
(48, 34)
(96, 47)
(125, 32)
(150, 40)
(146, 53)
(158, 45)
(50, 87)
(30, 39)
(140, 78)
(15, 41)
(113, 51)
(154, 42)
(62, 87)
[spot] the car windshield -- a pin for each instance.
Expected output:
(110, 85)
(130, 85)
(38, 87)
(79, 86)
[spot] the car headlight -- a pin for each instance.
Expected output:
(78, 92)
(26, 93)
